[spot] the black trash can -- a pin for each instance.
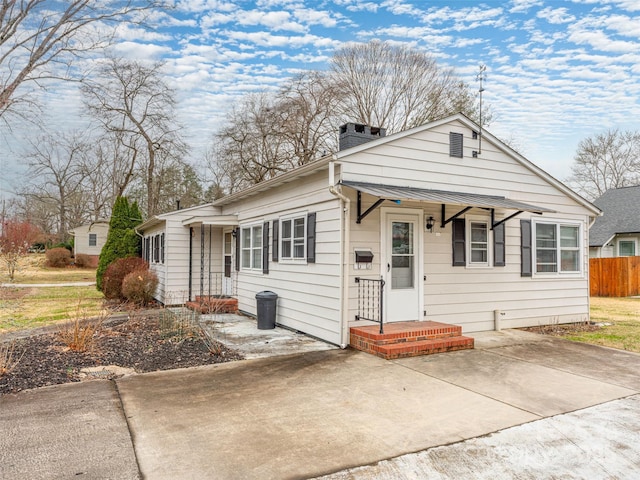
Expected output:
(266, 302)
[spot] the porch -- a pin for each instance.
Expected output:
(390, 340)
(409, 339)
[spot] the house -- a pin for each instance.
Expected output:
(617, 231)
(90, 238)
(439, 223)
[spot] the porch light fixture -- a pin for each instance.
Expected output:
(234, 232)
(430, 223)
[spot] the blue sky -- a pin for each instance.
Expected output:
(557, 71)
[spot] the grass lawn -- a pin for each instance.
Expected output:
(32, 269)
(620, 319)
(29, 307)
(34, 307)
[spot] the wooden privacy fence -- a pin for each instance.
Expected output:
(614, 277)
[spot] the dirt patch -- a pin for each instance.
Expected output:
(143, 344)
(562, 330)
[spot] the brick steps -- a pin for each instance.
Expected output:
(214, 304)
(409, 339)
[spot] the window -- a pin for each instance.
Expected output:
(479, 243)
(251, 247)
(626, 248)
(557, 248)
(293, 235)
(93, 239)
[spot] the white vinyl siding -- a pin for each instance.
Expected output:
(309, 294)
(470, 296)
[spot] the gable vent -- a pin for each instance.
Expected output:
(455, 144)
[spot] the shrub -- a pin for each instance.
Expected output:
(58, 257)
(84, 261)
(139, 286)
(115, 273)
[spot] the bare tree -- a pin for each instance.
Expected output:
(396, 87)
(307, 120)
(57, 173)
(136, 107)
(604, 161)
(39, 39)
(251, 145)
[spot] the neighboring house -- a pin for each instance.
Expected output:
(459, 234)
(89, 239)
(617, 231)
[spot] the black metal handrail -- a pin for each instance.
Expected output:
(370, 300)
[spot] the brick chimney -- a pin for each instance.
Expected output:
(354, 134)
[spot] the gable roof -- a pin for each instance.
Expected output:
(486, 136)
(621, 207)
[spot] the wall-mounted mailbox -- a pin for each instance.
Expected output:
(364, 259)
(364, 256)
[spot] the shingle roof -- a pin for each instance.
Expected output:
(621, 214)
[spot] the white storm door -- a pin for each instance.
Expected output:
(402, 266)
(227, 279)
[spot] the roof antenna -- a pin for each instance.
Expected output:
(480, 77)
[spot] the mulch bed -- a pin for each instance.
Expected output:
(143, 343)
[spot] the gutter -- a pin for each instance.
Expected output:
(345, 215)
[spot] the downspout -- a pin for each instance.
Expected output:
(345, 215)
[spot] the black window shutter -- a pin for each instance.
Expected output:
(525, 248)
(458, 240)
(275, 239)
(162, 248)
(311, 238)
(265, 247)
(238, 232)
(499, 259)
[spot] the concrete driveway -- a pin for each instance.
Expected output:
(326, 412)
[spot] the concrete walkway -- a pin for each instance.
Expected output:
(554, 405)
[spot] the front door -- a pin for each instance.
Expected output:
(227, 280)
(402, 266)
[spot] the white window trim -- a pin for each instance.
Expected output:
(292, 259)
(250, 227)
(534, 247)
(630, 240)
(469, 219)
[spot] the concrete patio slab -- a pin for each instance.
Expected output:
(297, 416)
(617, 366)
(241, 333)
(77, 430)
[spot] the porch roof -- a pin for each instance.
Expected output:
(215, 220)
(389, 192)
(461, 199)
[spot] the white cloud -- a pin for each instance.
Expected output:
(556, 15)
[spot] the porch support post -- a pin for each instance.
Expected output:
(201, 259)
